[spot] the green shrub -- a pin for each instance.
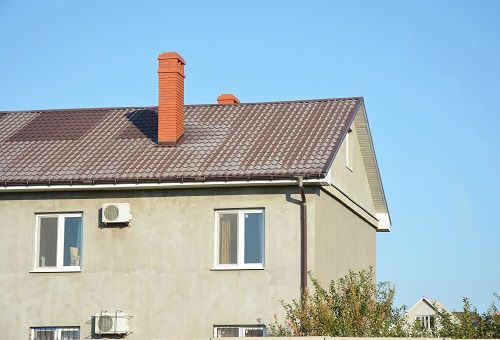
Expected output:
(352, 306)
(355, 306)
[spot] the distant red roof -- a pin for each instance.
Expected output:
(222, 142)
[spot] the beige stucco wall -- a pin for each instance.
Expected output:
(352, 180)
(342, 240)
(159, 269)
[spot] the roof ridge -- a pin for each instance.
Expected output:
(315, 100)
(81, 108)
(186, 105)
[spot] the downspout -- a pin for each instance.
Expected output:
(303, 227)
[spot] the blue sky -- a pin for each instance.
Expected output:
(429, 72)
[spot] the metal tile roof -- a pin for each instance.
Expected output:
(222, 142)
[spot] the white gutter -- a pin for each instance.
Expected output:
(144, 186)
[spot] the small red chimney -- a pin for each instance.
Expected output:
(227, 99)
(170, 98)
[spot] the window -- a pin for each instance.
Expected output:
(348, 151)
(239, 240)
(58, 242)
(55, 333)
(239, 331)
(426, 321)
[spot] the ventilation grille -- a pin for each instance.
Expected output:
(105, 322)
(111, 212)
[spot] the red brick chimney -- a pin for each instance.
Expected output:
(170, 98)
(227, 99)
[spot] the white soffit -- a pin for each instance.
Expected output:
(372, 171)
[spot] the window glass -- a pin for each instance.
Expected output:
(254, 237)
(44, 334)
(72, 240)
(70, 334)
(224, 332)
(254, 332)
(48, 242)
(228, 238)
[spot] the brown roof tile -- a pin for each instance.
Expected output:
(257, 140)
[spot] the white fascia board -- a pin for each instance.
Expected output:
(415, 305)
(371, 166)
(173, 185)
(384, 222)
(328, 178)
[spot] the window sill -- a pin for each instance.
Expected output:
(256, 267)
(54, 270)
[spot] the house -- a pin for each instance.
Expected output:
(180, 221)
(424, 312)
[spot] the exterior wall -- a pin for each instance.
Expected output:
(158, 270)
(352, 180)
(421, 308)
(343, 240)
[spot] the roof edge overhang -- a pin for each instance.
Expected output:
(165, 183)
(434, 304)
(373, 171)
(358, 117)
(416, 304)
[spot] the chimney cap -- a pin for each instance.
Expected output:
(171, 55)
(227, 98)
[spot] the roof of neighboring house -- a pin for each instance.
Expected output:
(474, 316)
(221, 142)
(434, 304)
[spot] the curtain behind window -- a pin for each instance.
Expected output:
(228, 238)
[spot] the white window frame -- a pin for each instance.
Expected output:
(241, 329)
(60, 244)
(57, 330)
(240, 241)
(348, 160)
(425, 321)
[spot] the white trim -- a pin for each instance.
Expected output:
(426, 321)
(429, 302)
(367, 149)
(328, 178)
(60, 241)
(173, 185)
(68, 269)
(240, 234)
(240, 237)
(384, 223)
(348, 161)
(229, 267)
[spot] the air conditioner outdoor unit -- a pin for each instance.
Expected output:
(111, 323)
(116, 213)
